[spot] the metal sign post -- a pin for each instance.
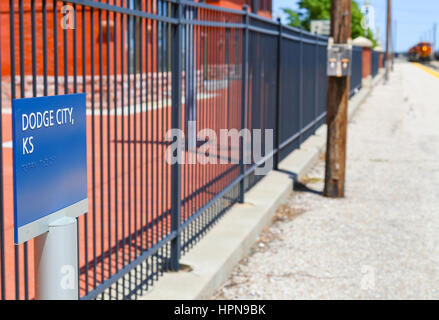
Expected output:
(50, 187)
(56, 261)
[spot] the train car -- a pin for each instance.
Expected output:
(423, 51)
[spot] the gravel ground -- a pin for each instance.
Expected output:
(382, 240)
(435, 64)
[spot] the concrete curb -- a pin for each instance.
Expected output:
(214, 257)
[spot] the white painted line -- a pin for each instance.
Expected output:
(142, 108)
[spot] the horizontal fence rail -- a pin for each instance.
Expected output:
(148, 66)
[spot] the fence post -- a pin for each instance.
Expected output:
(301, 89)
(176, 41)
(316, 89)
(2, 225)
(245, 36)
(278, 102)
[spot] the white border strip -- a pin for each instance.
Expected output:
(40, 226)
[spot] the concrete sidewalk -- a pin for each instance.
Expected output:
(382, 240)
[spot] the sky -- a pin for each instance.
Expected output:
(413, 19)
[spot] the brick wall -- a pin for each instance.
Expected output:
(265, 6)
(380, 60)
(55, 49)
(367, 62)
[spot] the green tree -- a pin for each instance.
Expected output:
(321, 10)
(293, 18)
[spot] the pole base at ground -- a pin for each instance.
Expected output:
(56, 262)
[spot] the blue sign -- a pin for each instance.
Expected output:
(49, 162)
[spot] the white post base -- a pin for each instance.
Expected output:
(56, 261)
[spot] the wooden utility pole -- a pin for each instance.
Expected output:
(389, 23)
(337, 106)
(393, 43)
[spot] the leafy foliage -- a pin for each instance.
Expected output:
(321, 10)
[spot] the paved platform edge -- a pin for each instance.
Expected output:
(214, 257)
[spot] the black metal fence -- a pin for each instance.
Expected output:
(375, 62)
(148, 66)
(357, 69)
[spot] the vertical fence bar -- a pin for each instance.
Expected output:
(301, 88)
(176, 124)
(316, 85)
(155, 133)
(245, 36)
(2, 225)
(75, 51)
(92, 89)
(160, 71)
(55, 44)
(115, 137)
(13, 94)
(122, 138)
(101, 143)
(34, 92)
(147, 166)
(142, 144)
(22, 95)
(107, 61)
(44, 17)
(153, 146)
(129, 158)
(34, 50)
(278, 99)
(65, 53)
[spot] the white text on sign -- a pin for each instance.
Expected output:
(46, 119)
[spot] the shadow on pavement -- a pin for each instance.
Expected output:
(297, 185)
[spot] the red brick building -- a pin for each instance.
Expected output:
(261, 7)
(60, 33)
